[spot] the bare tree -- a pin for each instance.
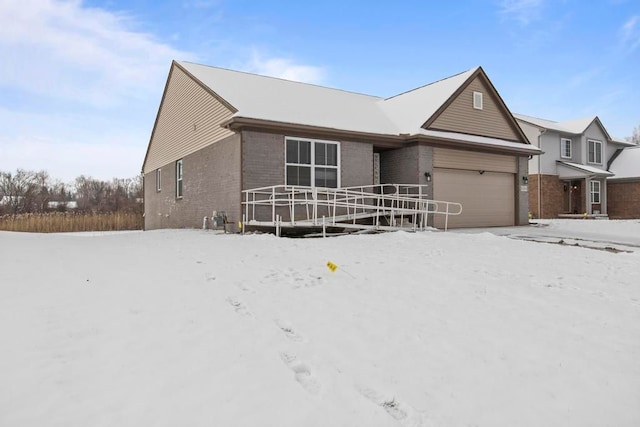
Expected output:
(19, 191)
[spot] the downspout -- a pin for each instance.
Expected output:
(540, 174)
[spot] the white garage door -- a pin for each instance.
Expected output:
(488, 198)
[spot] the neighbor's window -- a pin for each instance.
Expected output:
(477, 100)
(179, 189)
(312, 163)
(158, 179)
(595, 151)
(595, 191)
(565, 148)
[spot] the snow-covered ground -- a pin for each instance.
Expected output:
(193, 328)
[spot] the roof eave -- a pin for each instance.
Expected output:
(525, 150)
(237, 123)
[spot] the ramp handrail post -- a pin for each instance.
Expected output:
(273, 204)
(446, 218)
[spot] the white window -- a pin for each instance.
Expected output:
(179, 189)
(595, 151)
(312, 163)
(565, 148)
(158, 180)
(594, 186)
(477, 100)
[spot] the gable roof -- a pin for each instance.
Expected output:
(627, 164)
(410, 110)
(274, 100)
(574, 127)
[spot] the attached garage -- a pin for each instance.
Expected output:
(483, 183)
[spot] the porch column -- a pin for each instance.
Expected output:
(587, 195)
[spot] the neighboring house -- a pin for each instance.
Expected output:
(218, 132)
(624, 186)
(570, 178)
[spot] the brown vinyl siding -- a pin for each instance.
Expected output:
(188, 120)
(472, 160)
(492, 121)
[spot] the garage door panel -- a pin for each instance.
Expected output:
(488, 199)
(473, 160)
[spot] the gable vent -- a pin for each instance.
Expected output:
(477, 100)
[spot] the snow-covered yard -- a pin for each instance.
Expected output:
(193, 328)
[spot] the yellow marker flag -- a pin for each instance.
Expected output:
(332, 266)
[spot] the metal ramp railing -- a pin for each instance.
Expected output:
(380, 207)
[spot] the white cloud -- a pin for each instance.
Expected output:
(79, 88)
(285, 69)
(630, 33)
(62, 49)
(523, 11)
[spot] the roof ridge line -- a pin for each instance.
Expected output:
(283, 79)
(429, 84)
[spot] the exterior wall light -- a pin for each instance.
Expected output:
(427, 175)
(525, 180)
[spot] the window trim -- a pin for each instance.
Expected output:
(595, 152)
(477, 100)
(179, 179)
(562, 148)
(158, 180)
(313, 165)
(592, 192)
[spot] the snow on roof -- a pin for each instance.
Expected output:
(410, 110)
(585, 168)
(532, 149)
(269, 98)
(627, 164)
(576, 126)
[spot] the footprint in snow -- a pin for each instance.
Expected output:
(245, 288)
(302, 373)
(239, 306)
(405, 414)
(289, 331)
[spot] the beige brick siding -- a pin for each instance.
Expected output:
(211, 181)
(623, 199)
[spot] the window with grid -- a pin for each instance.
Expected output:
(595, 191)
(565, 148)
(595, 151)
(312, 163)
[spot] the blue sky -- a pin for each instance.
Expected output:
(81, 81)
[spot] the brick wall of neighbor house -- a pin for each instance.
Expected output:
(623, 199)
(400, 166)
(211, 181)
(552, 196)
